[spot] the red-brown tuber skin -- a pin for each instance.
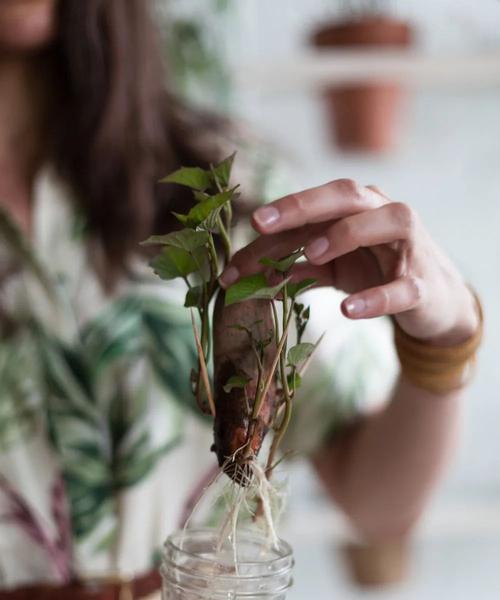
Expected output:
(233, 355)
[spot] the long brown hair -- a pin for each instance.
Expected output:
(114, 126)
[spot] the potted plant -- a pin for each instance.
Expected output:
(364, 116)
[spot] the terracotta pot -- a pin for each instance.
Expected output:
(374, 565)
(364, 116)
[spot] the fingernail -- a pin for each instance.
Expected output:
(266, 215)
(317, 248)
(229, 276)
(355, 307)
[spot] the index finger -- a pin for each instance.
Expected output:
(333, 200)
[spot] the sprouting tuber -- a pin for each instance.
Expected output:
(255, 376)
(244, 348)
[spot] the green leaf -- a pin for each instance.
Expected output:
(294, 380)
(298, 308)
(175, 262)
(194, 296)
(191, 177)
(284, 264)
(251, 288)
(135, 466)
(299, 353)
(294, 289)
(301, 319)
(202, 211)
(187, 239)
(223, 170)
(201, 196)
(235, 381)
(211, 223)
(108, 541)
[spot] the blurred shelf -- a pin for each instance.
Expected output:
(317, 70)
(448, 518)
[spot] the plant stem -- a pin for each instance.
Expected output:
(228, 211)
(287, 314)
(203, 367)
(226, 242)
(204, 336)
(205, 333)
(276, 323)
(261, 394)
(278, 436)
(212, 251)
(260, 397)
(212, 258)
(260, 372)
(222, 228)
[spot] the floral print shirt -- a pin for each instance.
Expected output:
(100, 441)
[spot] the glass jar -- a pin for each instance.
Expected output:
(193, 568)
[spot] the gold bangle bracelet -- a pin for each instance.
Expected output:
(438, 369)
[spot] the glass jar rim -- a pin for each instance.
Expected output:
(284, 549)
(164, 572)
(167, 563)
(253, 594)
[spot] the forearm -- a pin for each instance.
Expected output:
(382, 472)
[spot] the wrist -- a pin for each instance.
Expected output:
(445, 366)
(465, 326)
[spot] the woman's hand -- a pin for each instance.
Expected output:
(376, 250)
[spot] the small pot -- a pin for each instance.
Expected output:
(364, 116)
(378, 565)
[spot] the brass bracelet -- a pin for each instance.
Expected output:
(438, 369)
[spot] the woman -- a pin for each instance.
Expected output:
(94, 359)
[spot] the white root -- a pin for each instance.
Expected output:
(257, 489)
(197, 504)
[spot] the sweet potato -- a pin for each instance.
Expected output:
(235, 434)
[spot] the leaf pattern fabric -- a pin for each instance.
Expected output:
(101, 441)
